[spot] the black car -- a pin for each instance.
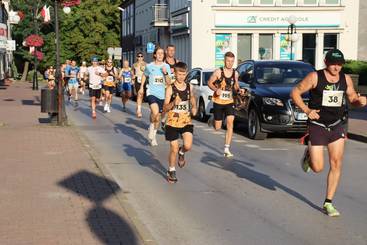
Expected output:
(267, 106)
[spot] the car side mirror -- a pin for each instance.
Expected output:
(194, 82)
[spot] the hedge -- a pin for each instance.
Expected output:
(357, 67)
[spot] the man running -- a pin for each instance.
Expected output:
(96, 74)
(159, 76)
(126, 77)
(83, 80)
(109, 84)
(138, 70)
(224, 82)
(326, 114)
(72, 72)
(178, 104)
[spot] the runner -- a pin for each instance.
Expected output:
(51, 77)
(64, 78)
(109, 84)
(224, 82)
(95, 73)
(158, 73)
(102, 99)
(83, 80)
(326, 112)
(138, 70)
(178, 104)
(72, 72)
(126, 77)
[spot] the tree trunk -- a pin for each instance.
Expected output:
(25, 72)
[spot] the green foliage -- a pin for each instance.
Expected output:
(357, 67)
(88, 30)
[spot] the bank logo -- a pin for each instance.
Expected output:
(251, 19)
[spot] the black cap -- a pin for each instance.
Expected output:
(334, 56)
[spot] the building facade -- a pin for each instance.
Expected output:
(362, 37)
(203, 30)
(4, 64)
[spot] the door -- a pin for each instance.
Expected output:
(309, 48)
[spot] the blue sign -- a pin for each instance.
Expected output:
(150, 47)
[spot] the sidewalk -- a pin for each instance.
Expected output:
(358, 124)
(52, 192)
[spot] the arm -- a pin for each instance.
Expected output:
(308, 83)
(167, 104)
(193, 101)
(166, 73)
(214, 77)
(354, 98)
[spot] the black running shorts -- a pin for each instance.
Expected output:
(95, 93)
(173, 133)
(321, 136)
(221, 111)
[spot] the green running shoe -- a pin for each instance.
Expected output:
(305, 162)
(330, 210)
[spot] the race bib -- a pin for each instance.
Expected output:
(332, 98)
(110, 79)
(127, 80)
(139, 79)
(182, 107)
(158, 80)
(95, 86)
(226, 95)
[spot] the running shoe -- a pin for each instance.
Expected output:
(181, 158)
(227, 154)
(330, 210)
(153, 142)
(124, 108)
(171, 176)
(108, 109)
(105, 107)
(305, 162)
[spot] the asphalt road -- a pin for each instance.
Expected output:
(261, 196)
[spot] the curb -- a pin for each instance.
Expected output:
(138, 226)
(357, 137)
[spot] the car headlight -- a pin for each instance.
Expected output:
(272, 101)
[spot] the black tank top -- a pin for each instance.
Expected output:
(329, 98)
(184, 94)
(172, 66)
(229, 81)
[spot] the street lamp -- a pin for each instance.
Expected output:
(292, 32)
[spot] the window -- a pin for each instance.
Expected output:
(206, 77)
(310, 2)
(266, 46)
(223, 1)
(330, 41)
(266, 2)
(243, 47)
(288, 2)
(245, 2)
(332, 2)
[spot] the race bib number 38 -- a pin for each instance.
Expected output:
(182, 107)
(332, 98)
(226, 95)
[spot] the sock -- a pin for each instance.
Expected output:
(155, 132)
(181, 152)
(226, 147)
(172, 169)
(328, 201)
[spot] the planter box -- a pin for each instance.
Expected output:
(355, 79)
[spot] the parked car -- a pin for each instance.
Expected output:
(199, 78)
(267, 106)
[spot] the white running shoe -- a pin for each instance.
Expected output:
(108, 108)
(153, 142)
(151, 132)
(105, 108)
(227, 153)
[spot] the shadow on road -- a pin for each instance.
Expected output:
(131, 132)
(146, 159)
(138, 123)
(241, 170)
(108, 226)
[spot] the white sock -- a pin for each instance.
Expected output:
(181, 152)
(172, 169)
(139, 108)
(226, 147)
(154, 132)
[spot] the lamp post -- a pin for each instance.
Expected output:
(292, 32)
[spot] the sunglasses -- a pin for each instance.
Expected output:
(140, 56)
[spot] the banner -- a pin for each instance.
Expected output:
(285, 47)
(223, 44)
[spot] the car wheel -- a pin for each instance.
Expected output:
(202, 116)
(254, 126)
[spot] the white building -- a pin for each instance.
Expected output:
(203, 30)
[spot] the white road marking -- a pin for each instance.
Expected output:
(240, 141)
(199, 126)
(273, 149)
(217, 132)
(252, 146)
(207, 129)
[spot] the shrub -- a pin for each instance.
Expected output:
(357, 67)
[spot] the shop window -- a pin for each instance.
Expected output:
(288, 2)
(332, 2)
(266, 46)
(266, 2)
(245, 2)
(243, 47)
(330, 41)
(223, 1)
(310, 2)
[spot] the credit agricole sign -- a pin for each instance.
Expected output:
(266, 19)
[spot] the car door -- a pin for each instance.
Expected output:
(245, 80)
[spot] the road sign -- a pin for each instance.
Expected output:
(150, 47)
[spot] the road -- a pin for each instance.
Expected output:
(259, 197)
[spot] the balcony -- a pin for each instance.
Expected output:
(160, 15)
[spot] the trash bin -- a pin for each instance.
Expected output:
(48, 100)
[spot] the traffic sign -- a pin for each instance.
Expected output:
(150, 47)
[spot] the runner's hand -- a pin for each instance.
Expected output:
(313, 114)
(362, 100)
(177, 100)
(194, 111)
(164, 69)
(218, 92)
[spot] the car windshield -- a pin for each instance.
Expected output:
(286, 73)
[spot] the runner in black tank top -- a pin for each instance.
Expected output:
(328, 89)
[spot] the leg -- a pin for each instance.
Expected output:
(336, 152)
(173, 153)
(229, 133)
(139, 101)
(317, 157)
(187, 141)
